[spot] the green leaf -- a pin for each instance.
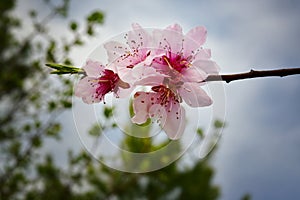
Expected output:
(66, 104)
(27, 127)
(200, 133)
(90, 30)
(53, 130)
(96, 17)
(108, 112)
(219, 124)
(32, 14)
(36, 141)
(73, 26)
(51, 106)
(64, 69)
(15, 148)
(51, 50)
(95, 130)
(78, 42)
(66, 48)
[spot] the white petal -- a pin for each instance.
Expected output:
(141, 104)
(202, 54)
(194, 96)
(93, 68)
(198, 34)
(209, 66)
(147, 76)
(86, 91)
(175, 27)
(174, 125)
(123, 93)
(138, 38)
(192, 74)
(169, 39)
(115, 50)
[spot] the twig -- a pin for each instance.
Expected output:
(253, 74)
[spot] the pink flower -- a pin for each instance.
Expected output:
(161, 104)
(98, 82)
(127, 56)
(184, 58)
(171, 63)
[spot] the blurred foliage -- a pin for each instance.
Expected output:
(31, 100)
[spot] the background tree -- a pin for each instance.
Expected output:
(30, 99)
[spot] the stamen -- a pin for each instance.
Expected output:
(167, 61)
(102, 81)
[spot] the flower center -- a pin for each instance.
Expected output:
(166, 95)
(107, 83)
(177, 62)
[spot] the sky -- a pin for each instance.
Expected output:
(258, 152)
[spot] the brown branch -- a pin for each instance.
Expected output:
(253, 74)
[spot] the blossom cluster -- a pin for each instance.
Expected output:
(171, 64)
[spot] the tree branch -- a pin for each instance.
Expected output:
(253, 74)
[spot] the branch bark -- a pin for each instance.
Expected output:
(253, 74)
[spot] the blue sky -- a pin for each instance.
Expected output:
(259, 149)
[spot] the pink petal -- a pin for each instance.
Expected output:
(198, 34)
(193, 40)
(147, 76)
(84, 90)
(169, 39)
(174, 125)
(209, 66)
(192, 74)
(138, 38)
(175, 27)
(194, 96)
(126, 75)
(93, 68)
(202, 54)
(123, 93)
(158, 113)
(141, 104)
(115, 50)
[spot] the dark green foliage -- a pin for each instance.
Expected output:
(219, 124)
(96, 17)
(30, 101)
(73, 26)
(246, 197)
(108, 112)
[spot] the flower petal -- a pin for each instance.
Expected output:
(174, 125)
(123, 93)
(209, 66)
(198, 34)
(141, 103)
(202, 54)
(115, 50)
(175, 27)
(192, 74)
(147, 76)
(93, 68)
(86, 91)
(138, 38)
(158, 113)
(169, 39)
(194, 96)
